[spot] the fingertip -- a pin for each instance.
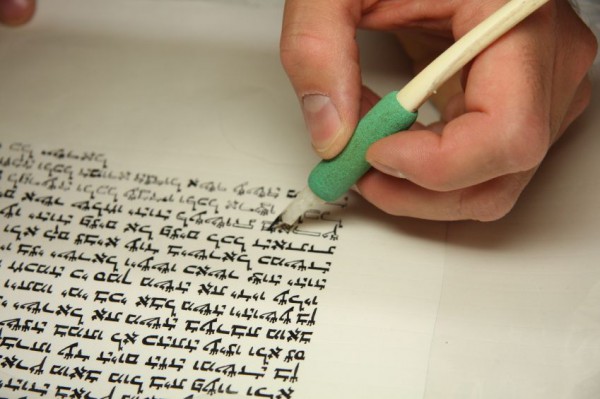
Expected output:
(395, 155)
(399, 197)
(319, 53)
(322, 121)
(387, 169)
(329, 133)
(16, 12)
(336, 145)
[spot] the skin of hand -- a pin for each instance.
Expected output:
(16, 12)
(498, 119)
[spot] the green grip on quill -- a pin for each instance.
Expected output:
(330, 179)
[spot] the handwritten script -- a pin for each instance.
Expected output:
(121, 284)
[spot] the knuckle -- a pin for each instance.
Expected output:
(526, 146)
(298, 49)
(492, 210)
(494, 199)
(438, 181)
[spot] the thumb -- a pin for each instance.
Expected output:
(320, 56)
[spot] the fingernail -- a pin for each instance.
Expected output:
(322, 120)
(388, 170)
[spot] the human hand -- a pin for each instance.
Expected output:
(16, 12)
(517, 98)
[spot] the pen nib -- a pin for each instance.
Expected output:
(279, 224)
(290, 217)
(276, 224)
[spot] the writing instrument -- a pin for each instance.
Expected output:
(397, 111)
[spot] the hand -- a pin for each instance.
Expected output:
(516, 99)
(16, 12)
